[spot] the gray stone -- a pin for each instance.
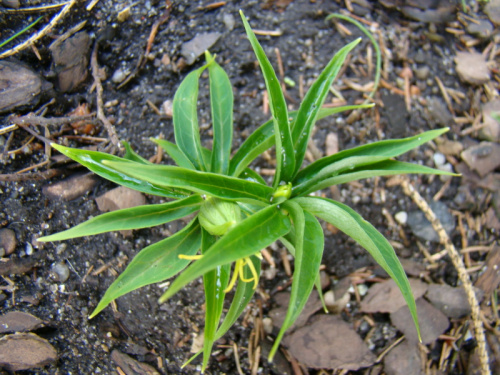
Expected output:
(449, 300)
(483, 29)
(490, 128)
(60, 272)
(198, 45)
(423, 229)
(492, 10)
(482, 158)
(403, 359)
(422, 73)
(472, 68)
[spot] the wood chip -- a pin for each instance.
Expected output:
(25, 351)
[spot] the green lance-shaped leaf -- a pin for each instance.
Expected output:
(383, 168)
(93, 160)
(154, 264)
(214, 283)
(388, 149)
(185, 118)
(247, 238)
(221, 101)
(352, 224)
(173, 151)
(309, 244)
(132, 155)
(225, 187)
(314, 99)
(263, 138)
(131, 218)
(285, 159)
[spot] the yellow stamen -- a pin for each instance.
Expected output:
(242, 273)
(254, 273)
(236, 271)
(190, 257)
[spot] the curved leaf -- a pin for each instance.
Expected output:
(154, 264)
(221, 101)
(244, 239)
(93, 160)
(173, 151)
(285, 159)
(131, 218)
(352, 224)
(314, 99)
(132, 155)
(219, 186)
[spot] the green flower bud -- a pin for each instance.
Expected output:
(218, 216)
(282, 193)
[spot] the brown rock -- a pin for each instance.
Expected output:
(483, 158)
(19, 86)
(18, 321)
(8, 241)
(25, 351)
(432, 322)
(404, 359)
(472, 68)
(71, 60)
(277, 315)
(449, 300)
(329, 343)
(492, 10)
(70, 188)
(130, 366)
(490, 128)
(386, 297)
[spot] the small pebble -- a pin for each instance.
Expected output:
(119, 76)
(8, 241)
(61, 272)
(422, 73)
(401, 217)
(439, 159)
(61, 248)
(228, 20)
(28, 249)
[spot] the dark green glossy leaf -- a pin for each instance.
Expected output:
(185, 117)
(351, 223)
(221, 101)
(285, 160)
(154, 264)
(314, 99)
(388, 149)
(250, 175)
(219, 186)
(245, 239)
(308, 246)
(214, 283)
(131, 218)
(173, 151)
(384, 168)
(132, 155)
(93, 160)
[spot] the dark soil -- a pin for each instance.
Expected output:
(161, 335)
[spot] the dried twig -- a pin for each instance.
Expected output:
(35, 176)
(461, 270)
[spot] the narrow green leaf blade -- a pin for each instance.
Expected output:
(173, 151)
(93, 160)
(154, 264)
(185, 118)
(131, 218)
(219, 186)
(285, 159)
(309, 244)
(352, 224)
(245, 239)
(221, 101)
(314, 99)
(387, 149)
(214, 283)
(132, 155)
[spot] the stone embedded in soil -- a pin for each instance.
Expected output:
(482, 158)
(449, 147)
(432, 322)
(198, 45)
(25, 351)
(443, 11)
(18, 321)
(490, 128)
(386, 297)
(492, 10)
(70, 188)
(449, 300)
(60, 272)
(482, 29)
(329, 343)
(397, 114)
(19, 86)
(472, 68)
(71, 60)
(130, 366)
(331, 144)
(439, 112)
(8, 241)
(404, 359)
(423, 229)
(277, 315)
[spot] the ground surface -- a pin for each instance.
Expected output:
(161, 336)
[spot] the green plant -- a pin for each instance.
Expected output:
(238, 214)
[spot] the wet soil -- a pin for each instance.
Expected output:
(161, 335)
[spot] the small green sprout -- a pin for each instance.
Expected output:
(236, 213)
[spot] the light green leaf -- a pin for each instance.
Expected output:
(132, 155)
(154, 264)
(314, 99)
(173, 151)
(219, 186)
(131, 218)
(93, 160)
(352, 224)
(384, 168)
(285, 159)
(221, 101)
(214, 283)
(309, 245)
(247, 238)
(387, 149)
